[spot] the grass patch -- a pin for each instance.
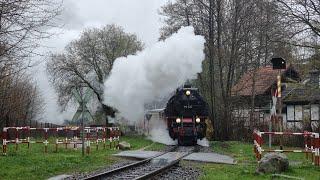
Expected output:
(243, 153)
(146, 144)
(35, 164)
(155, 147)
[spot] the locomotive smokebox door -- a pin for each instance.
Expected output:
(278, 63)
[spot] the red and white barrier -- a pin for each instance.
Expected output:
(101, 136)
(311, 143)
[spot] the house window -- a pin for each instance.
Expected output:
(306, 112)
(290, 112)
(298, 112)
(236, 113)
(261, 115)
(314, 112)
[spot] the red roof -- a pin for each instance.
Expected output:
(265, 78)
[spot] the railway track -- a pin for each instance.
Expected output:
(147, 168)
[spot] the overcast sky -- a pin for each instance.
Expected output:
(135, 16)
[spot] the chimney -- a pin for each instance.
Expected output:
(314, 78)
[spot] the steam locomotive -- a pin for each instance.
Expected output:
(186, 112)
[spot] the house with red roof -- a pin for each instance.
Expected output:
(252, 98)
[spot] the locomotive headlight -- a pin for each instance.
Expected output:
(178, 120)
(197, 120)
(188, 93)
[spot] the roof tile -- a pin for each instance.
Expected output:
(265, 77)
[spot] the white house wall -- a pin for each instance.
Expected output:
(292, 119)
(290, 113)
(156, 117)
(297, 113)
(314, 112)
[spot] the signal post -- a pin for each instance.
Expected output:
(278, 63)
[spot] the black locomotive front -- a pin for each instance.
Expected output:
(186, 112)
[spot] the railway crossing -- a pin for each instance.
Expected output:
(70, 136)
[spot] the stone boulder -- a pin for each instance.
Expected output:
(123, 145)
(273, 163)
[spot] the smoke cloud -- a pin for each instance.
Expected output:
(159, 133)
(153, 73)
(204, 142)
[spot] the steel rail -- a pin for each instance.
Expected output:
(161, 169)
(110, 172)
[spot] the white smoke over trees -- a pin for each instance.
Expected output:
(153, 73)
(88, 60)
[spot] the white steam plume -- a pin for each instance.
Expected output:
(204, 142)
(159, 133)
(153, 73)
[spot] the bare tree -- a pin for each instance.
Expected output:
(241, 35)
(23, 23)
(20, 102)
(304, 17)
(89, 60)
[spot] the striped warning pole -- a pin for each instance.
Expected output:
(287, 133)
(118, 136)
(104, 137)
(66, 139)
(110, 136)
(317, 149)
(46, 140)
(17, 138)
(97, 138)
(75, 138)
(305, 139)
(87, 131)
(4, 141)
(312, 146)
(28, 138)
(57, 138)
(114, 136)
(257, 136)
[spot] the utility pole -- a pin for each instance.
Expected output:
(82, 123)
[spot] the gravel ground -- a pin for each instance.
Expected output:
(120, 163)
(204, 149)
(134, 172)
(167, 148)
(185, 170)
(187, 148)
